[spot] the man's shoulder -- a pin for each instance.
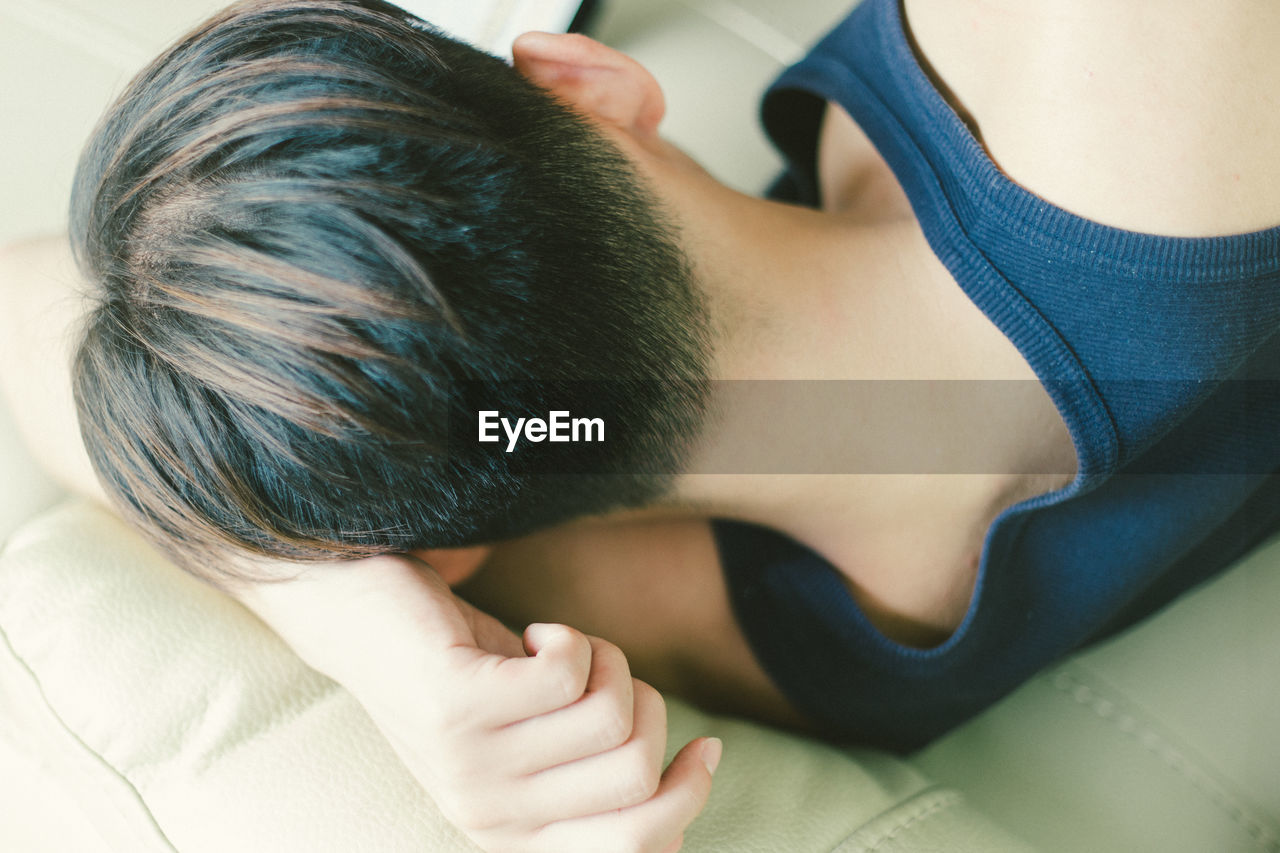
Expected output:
(1113, 111)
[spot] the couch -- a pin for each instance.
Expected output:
(141, 710)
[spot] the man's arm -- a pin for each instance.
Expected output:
(544, 743)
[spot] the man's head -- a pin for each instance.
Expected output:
(315, 226)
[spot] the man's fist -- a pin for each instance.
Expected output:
(544, 743)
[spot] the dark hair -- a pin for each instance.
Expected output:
(312, 223)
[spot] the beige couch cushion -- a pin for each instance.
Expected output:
(24, 488)
(175, 720)
(1166, 738)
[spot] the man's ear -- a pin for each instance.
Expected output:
(598, 80)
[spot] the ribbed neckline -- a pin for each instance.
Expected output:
(965, 204)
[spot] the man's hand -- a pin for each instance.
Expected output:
(545, 744)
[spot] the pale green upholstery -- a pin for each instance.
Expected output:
(141, 710)
(1167, 738)
(170, 718)
(176, 720)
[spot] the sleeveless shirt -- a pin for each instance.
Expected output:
(1161, 353)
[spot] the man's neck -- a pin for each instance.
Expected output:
(837, 342)
(806, 307)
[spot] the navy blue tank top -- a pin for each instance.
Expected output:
(1162, 355)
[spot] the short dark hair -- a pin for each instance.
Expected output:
(310, 223)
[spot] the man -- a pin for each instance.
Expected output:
(924, 261)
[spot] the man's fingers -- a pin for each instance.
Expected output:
(601, 720)
(681, 796)
(685, 786)
(506, 690)
(617, 779)
(655, 825)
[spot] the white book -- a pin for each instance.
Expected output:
(493, 25)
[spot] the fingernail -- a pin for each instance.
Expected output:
(711, 752)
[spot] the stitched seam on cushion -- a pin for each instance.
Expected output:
(289, 715)
(945, 800)
(39, 686)
(281, 714)
(330, 691)
(1089, 694)
(928, 803)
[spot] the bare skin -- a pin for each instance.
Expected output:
(1149, 104)
(1159, 118)
(1051, 94)
(660, 597)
